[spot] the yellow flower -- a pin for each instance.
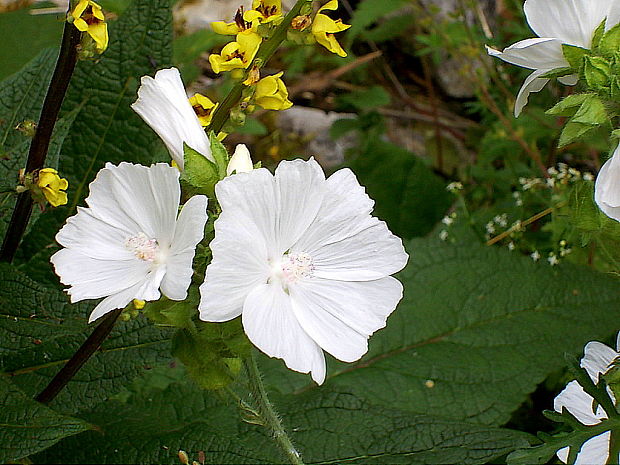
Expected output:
(53, 186)
(204, 108)
(324, 28)
(88, 17)
(271, 93)
(234, 28)
(238, 54)
(265, 11)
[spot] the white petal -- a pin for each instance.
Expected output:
(94, 237)
(597, 358)
(607, 187)
(570, 80)
(163, 105)
(533, 83)
(533, 54)
(240, 162)
(137, 199)
(118, 300)
(340, 316)
(251, 198)
(300, 186)
(91, 278)
(345, 212)
(371, 254)
(563, 454)
(240, 263)
(188, 233)
(595, 450)
(270, 324)
(571, 21)
(579, 403)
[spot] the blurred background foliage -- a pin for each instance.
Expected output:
(510, 258)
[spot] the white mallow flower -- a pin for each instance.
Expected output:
(607, 187)
(303, 262)
(556, 22)
(597, 360)
(163, 105)
(128, 244)
(240, 162)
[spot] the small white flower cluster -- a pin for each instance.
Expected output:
(447, 221)
(454, 187)
(598, 359)
(297, 256)
(561, 176)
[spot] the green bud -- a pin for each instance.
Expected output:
(574, 55)
(610, 42)
(200, 175)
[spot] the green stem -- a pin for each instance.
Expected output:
(267, 412)
(40, 143)
(266, 51)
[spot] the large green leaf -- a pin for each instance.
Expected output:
(478, 328)
(27, 427)
(40, 331)
(326, 426)
(409, 197)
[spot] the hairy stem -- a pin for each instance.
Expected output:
(81, 356)
(222, 113)
(41, 140)
(268, 414)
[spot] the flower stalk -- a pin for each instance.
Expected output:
(37, 154)
(267, 413)
(222, 113)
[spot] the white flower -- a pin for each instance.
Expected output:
(556, 22)
(128, 243)
(240, 162)
(607, 187)
(301, 259)
(596, 361)
(163, 105)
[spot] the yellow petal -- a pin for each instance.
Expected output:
(330, 43)
(81, 25)
(79, 9)
(99, 32)
(227, 29)
(331, 5)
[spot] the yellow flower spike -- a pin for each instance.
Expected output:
(52, 186)
(204, 108)
(264, 11)
(324, 28)
(238, 54)
(88, 17)
(271, 93)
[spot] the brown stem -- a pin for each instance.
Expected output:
(40, 143)
(81, 356)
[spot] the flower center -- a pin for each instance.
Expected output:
(142, 247)
(293, 267)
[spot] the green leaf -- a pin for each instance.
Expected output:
(568, 106)
(367, 99)
(401, 184)
(24, 36)
(368, 12)
(327, 427)
(40, 331)
(478, 328)
(610, 43)
(597, 72)
(199, 173)
(574, 55)
(598, 35)
(28, 427)
(220, 154)
(558, 72)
